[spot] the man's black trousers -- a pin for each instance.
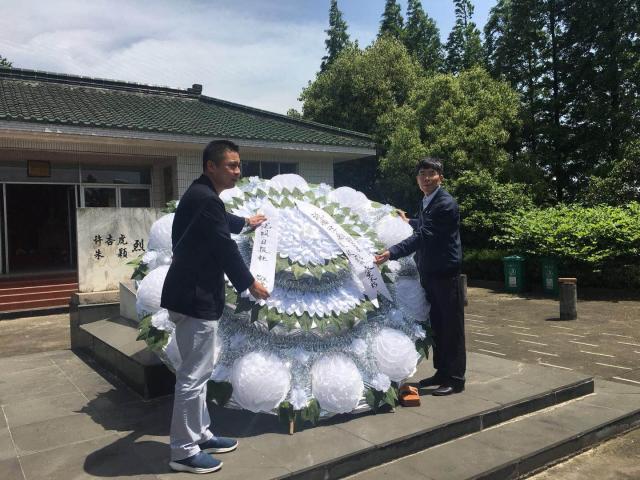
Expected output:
(447, 322)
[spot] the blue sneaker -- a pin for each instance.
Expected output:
(219, 445)
(198, 463)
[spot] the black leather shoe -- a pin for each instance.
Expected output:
(431, 381)
(447, 390)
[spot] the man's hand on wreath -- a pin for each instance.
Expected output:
(259, 291)
(403, 215)
(255, 221)
(383, 257)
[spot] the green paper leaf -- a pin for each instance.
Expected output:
(311, 413)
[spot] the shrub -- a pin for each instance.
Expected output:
(598, 244)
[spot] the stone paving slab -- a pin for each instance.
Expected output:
(69, 421)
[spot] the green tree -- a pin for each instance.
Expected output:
(466, 120)
(464, 46)
(422, 37)
(4, 62)
(293, 113)
(602, 43)
(524, 44)
(486, 204)
(391, 23)
(337, 36)
(361, 85)
(577, 68)
(621, 184)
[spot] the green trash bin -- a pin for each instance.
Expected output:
(549, 275)
(513, 273)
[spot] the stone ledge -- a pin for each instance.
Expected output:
(92, 298)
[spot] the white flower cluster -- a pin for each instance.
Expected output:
(266, 367)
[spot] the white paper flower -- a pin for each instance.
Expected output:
(160, 233)
(419, 332)
(150, 291)
(395, 354)
(392, 230)
(358, 347)
(149, 258)
(160, 320)
(290, 181)
(336, 383)
(411, 299)
(380, 382)
(350, 198)
(260, 381)
(298, 398)
(394, 266)
(230, 193)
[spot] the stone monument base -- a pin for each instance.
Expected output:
(104, 325)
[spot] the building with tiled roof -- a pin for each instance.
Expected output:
(69, 142)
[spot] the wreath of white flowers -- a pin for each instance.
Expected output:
(318, 346)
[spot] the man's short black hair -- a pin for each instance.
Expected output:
(429, 162)
(216, 150)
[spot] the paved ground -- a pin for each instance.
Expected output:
(603, 342)
(31, 335)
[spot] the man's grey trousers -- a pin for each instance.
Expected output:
(190, 422)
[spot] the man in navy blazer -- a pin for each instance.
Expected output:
(436, 243)
(194, 294)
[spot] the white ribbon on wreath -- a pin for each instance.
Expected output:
(361, 262)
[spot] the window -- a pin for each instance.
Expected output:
(252, 168)
(104, 196)
(268, 169)
(134, 197)
(99, 197)
(121, 175)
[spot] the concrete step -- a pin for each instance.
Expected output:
(29, 295)
(112, 342)
(57, 301)
(526, 444)
(36, 280)
(73, 286)
(497, 391)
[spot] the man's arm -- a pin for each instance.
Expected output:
(236, 223)
(218, 238)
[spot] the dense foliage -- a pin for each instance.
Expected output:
(465, 119)
(362, 85)
(550, 101)
(592, 235)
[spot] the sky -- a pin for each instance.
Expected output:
(253, 52)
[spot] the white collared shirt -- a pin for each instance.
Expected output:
(426, 200)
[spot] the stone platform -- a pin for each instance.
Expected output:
(104, 326)
(67, 418)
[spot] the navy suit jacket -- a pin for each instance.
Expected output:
(436, 237)
(203, 251)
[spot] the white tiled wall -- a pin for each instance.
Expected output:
(314, 168)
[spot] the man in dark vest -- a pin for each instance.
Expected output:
(194, 294)
(436, 242)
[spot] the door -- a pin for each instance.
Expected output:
(40, 227)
